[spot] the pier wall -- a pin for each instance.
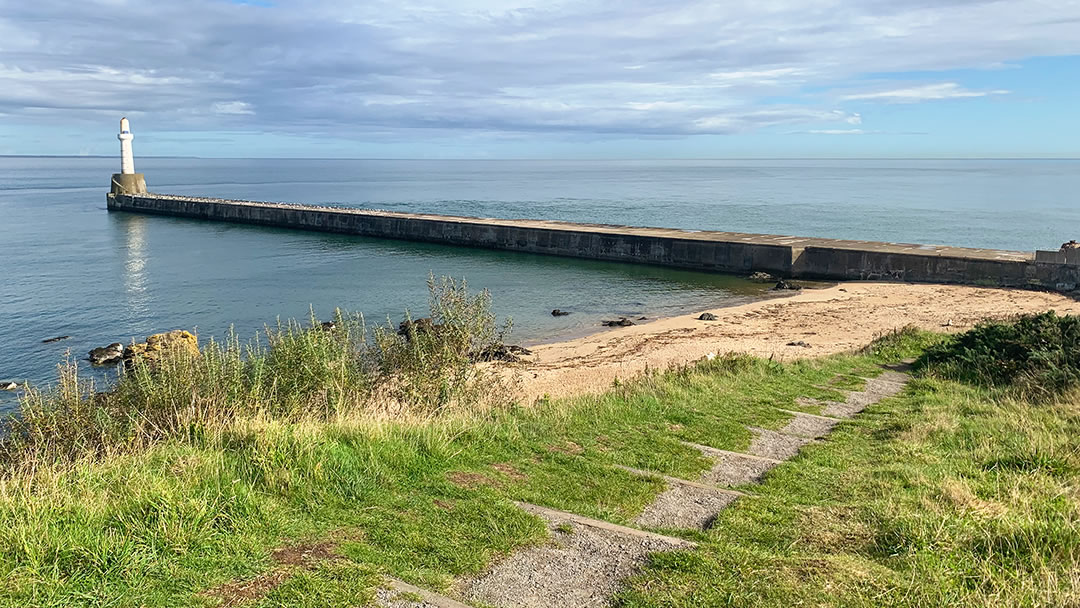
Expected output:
(697, 250)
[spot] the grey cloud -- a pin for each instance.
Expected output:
(639, 67)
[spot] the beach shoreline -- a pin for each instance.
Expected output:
(811, 323)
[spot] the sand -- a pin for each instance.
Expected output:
(842, 318)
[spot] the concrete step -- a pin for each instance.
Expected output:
(399, 594)
(582, 565)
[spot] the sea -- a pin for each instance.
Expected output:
(68, 267)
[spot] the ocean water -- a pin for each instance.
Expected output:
(69, 267)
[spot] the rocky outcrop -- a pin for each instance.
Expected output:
(159, 344)
(782, 285)
(107, 355)
(508, 353)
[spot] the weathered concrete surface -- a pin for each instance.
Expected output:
(128, 183)
(699, 250)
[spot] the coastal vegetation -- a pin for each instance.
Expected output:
(296, 470)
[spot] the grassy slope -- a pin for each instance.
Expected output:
(899, 507)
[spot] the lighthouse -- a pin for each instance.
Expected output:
(127, 181)
(127, 160)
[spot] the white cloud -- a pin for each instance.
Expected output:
(637, 67)
(929, 92)
(232, 107)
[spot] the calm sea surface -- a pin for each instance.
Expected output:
(71, 268)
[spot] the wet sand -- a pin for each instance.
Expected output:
(841, 318)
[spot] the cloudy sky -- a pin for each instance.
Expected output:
(525, 78)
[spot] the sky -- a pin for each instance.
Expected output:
(550, 79)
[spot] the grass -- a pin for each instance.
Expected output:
(949, 495)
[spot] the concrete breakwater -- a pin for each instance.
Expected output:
(732, 252)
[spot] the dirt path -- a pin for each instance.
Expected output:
(838, 319)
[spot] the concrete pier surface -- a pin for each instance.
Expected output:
(730, 252)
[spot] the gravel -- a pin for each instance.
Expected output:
(732, 469)
(876, 389)
(388, 598)
(775, 445)
(686, 507)
(580, 566)
(805, 425)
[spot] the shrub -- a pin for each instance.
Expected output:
(1036, 355)
(316, 370)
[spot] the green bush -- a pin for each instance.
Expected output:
(1037, 356)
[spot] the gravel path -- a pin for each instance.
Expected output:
(774, 444)
(805, 425)
(733, 469)
(686, 507)
(581, 566)
(876, 389)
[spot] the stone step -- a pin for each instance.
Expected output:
(583, 564)
(686, 505)
(733, 468)
(679, 481)
(399, 594)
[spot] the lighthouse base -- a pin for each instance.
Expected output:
(128, 183)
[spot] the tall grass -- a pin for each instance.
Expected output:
(292, 372)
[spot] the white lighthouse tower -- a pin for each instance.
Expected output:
(127, 181)
(127, 160)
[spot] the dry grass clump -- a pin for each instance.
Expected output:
(292, 372)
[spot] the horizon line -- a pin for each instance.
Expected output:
(539, 159)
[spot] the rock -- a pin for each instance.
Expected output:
(622, 322)
(706, 316)
(799, 343)
(107, 355)
(157, 344)
(559, 313)
(761, 277)
(643, 318)
(510, 353)
(8, 385)
(782, 284)
(419, 326)
(1070, 245)
(56, 339)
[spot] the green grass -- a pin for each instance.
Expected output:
(947, 495)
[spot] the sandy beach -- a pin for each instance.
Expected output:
(842, 318)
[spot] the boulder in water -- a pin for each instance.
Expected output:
(177, 340)
(762, 277)
(107, 355)
(621, 322)
(559, 313)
